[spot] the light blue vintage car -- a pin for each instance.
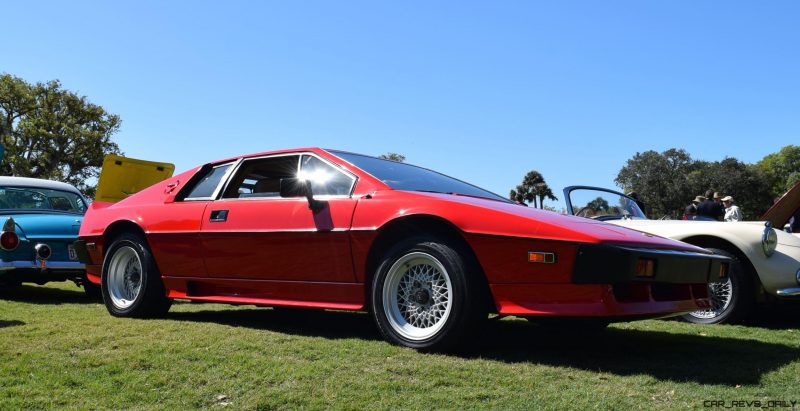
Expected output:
(40, 220)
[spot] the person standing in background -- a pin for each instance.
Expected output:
(732, 212)
(710, 208)
(690, 212)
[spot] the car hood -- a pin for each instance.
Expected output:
(45, 225)
(500, 218)
(780, 212)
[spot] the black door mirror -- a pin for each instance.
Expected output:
(295, 187)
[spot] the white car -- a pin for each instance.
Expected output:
(766, 261)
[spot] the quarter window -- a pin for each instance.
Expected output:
(325, 179)
(207, 186)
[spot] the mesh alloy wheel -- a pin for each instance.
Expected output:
(417, 296)
(720, 295)
(124, 277)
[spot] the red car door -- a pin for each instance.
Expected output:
(252, 233)
(174, 228)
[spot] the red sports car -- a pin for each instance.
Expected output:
(428, 255)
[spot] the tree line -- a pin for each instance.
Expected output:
(667, 182)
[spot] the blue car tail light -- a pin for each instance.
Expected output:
(9, 240)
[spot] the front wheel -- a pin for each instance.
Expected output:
(425, 295)
(731, 301)
(130, 283)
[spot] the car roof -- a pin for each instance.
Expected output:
(316, 150)
(36, 183)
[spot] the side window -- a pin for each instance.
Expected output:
(260, 178)
(81, 205)
(325, 179)
(206, 187)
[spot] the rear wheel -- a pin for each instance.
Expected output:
(425, 295)
(131, 284)
(731, 301)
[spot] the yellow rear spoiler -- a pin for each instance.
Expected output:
(122, 176)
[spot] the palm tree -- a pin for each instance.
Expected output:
(533, 187)
(543, 191)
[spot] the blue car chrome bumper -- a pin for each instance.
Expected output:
(31, 271)
(37, 265)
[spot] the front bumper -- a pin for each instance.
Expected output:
(599, 300)
(609, 264)
(605, 283)
(788, 292)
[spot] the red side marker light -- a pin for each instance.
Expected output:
(645, 267)
(541, 257)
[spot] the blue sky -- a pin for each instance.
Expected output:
(483, 91)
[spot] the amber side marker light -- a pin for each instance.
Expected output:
(645, 267)
(541, 257)
(723, 270)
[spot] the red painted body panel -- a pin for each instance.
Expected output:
(279, 239)
(340, 296)
(483, 216)
(277, 252)
(504, 260)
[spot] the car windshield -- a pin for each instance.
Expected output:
(602, 204)
(402, 176)
(40, 199)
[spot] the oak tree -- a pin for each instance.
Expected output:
(52, 133)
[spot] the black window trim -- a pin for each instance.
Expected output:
(222, 181)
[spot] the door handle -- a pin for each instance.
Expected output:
(218, 216)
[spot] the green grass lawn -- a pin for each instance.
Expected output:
(60, 350)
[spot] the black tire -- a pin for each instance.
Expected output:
(150, 301)
(465, 304)
(742, 296)
(92, 290)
